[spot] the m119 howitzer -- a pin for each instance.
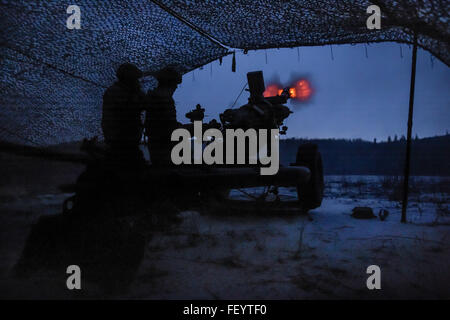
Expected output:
(263, 113)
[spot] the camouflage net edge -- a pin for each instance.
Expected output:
(53, 78)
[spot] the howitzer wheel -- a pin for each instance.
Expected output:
(310, 195)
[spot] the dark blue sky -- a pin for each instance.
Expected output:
(355, 96)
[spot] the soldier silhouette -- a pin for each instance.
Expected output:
(161, 117)
(123, 104)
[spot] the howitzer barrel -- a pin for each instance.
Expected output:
(277, 99)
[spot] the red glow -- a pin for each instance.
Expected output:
(303, 90)
(272, 90)
(300, 90)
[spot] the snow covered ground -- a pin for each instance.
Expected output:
(261, 255)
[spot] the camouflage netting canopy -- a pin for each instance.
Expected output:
(53, 78)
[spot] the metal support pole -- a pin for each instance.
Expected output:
(408, 140)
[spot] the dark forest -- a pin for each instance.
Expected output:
(340, 156)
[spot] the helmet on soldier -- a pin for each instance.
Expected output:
(128, 72)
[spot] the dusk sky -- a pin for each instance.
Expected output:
(355, 96)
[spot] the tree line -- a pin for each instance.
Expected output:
(429, 156)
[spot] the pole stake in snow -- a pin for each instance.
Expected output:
(408, 139)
